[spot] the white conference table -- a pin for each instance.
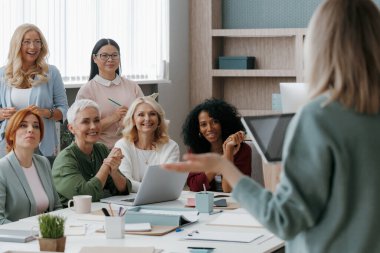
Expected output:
(170, 243)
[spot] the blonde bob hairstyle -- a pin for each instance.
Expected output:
(342, 54)
(13, 72)
(130, 131)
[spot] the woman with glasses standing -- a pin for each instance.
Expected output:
(109, 90)
(28, 81)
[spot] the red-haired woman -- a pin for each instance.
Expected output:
(26, 185)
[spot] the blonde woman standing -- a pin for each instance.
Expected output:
(28, 81)
(328, 196)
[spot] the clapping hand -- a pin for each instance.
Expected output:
(113, 159)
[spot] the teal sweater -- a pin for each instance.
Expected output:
(327, 199)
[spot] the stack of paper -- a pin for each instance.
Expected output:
(236, 220)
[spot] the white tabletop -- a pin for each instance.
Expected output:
(172, 242)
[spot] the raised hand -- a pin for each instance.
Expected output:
(232, 144)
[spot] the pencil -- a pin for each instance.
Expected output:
(111, 211)
(113, 101)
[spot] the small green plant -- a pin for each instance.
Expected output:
(51, 226)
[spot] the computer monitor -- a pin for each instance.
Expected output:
(268, 133)
(293, 96)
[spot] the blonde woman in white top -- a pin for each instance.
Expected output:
(145, 140)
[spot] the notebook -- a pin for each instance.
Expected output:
(158, 185)
(10, 235)
(268, 133)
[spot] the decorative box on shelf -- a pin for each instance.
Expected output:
(236, 62)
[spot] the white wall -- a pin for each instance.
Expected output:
(174, 97)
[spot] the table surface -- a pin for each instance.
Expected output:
(170, 243)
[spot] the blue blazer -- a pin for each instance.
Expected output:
(46, 95)
(16, 196)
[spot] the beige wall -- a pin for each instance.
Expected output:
(175, 97)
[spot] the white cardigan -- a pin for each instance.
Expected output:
(130, 165)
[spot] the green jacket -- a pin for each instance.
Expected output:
(16, 197)
(74, 174)
(328, 196)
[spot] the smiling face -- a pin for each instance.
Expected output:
(28, 133)
(86, 127)
(108, 66)
(146, 119)
(209, 127)
(30, 48)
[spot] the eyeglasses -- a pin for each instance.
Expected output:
(29, 43)
(105, 57)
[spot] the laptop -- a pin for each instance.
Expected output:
(158, 185)
(268, 133)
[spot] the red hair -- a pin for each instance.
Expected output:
(14, 124)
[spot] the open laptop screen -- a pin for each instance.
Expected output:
(268, 131)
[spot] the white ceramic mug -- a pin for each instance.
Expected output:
(82, 203)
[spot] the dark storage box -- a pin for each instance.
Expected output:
(236, 62)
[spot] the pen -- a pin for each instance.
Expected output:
(215, 212)
(106, 213)
(120, 211)
(113, 101)
(109, 204)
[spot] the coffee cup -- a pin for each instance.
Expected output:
(82, 203)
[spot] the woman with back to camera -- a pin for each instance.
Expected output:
(215, 126)
(328, 196)
(109, 90)
(26, 184)
(27, 80)
(87, 167)
(145, 140)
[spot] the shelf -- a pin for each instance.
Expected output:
(257, 112)
(258, 32)
(253, 73)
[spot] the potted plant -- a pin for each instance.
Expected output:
(52, 230)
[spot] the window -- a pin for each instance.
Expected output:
(72, 27)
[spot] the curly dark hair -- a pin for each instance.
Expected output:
(218, 109)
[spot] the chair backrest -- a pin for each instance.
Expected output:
(256, 165)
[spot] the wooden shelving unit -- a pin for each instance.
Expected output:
(278, 52)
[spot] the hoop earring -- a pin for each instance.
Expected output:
(200, 135)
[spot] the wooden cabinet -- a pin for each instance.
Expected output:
(278, 52)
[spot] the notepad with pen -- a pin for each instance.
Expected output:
(223, 236)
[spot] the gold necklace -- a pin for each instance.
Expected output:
(145, 158)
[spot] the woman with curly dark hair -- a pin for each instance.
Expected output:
(215, 126)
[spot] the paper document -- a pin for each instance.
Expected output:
(75, 229)
(236, 220)
(191, 216)
(117, 249)
(223, 236)
(136, 227)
